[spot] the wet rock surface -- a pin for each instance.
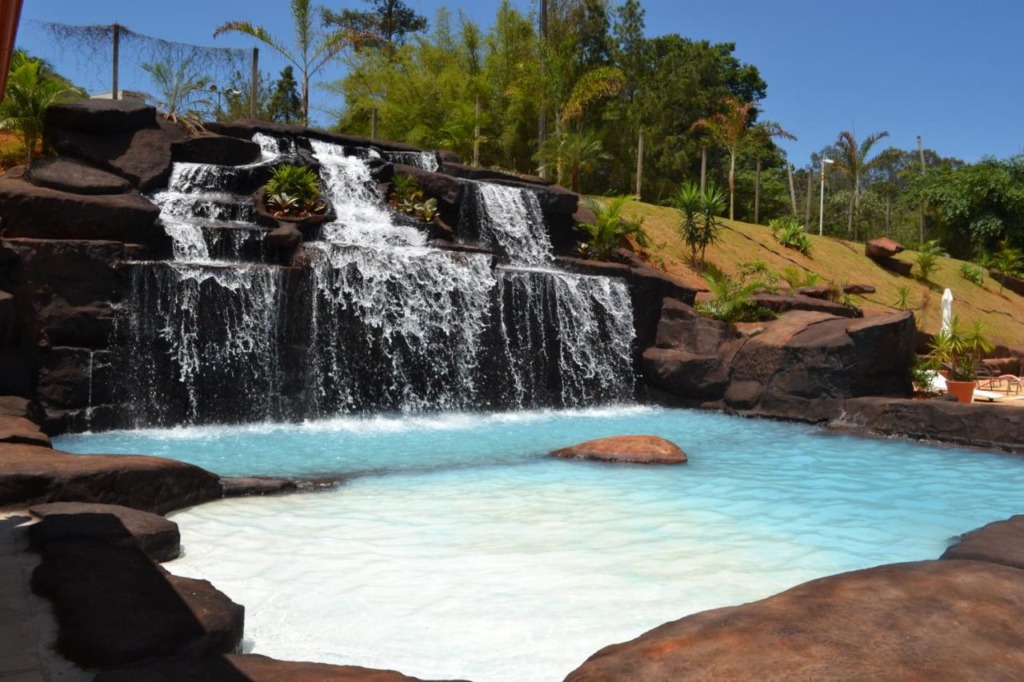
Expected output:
(933, 620)
(110, 524)
(634, 449)
(1000, 542)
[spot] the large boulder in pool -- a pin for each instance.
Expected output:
(114, 606)
(932, 620)
(634, 449)
(247, 668)
(32, 474)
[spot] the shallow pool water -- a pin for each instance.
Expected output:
(457, 549)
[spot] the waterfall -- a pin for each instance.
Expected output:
(374, 320)
(508, 220)
(424, 160)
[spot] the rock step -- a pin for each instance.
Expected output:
(111, 524)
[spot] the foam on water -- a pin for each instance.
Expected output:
(458, 549)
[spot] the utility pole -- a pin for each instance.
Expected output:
(476, 135)
(920, 154)
(639, 163)
(542, 118)
(116, 58)
(254, 93)
(703, 168)
(792, 188)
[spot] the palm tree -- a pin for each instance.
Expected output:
(315, 48)
(852, 160)
(31, 89)
(610, 227)
(729, 127)
(573, 154)
(761, 134)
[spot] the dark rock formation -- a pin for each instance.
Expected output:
(858, 289)
(444, 188)
(247, 668)
(900, 267)
(489, 175)
(1014, 284)
(23, 431)
(111, 524)
(782, 303)
(123, 137)
(247, 486)
(819, 291)
(1000, 542)
(948, 620)
(34, 475)
(115, 606)
(74, 177)
(987, 426)
(286, 236)
(801, 366)
(245, 128)
(882, 248)
(8, 318)
(222, 150)
(42, 213)
(635, 449)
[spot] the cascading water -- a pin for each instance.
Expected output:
(375, 320)
(425, 160)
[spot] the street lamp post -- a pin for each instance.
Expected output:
(821, 209)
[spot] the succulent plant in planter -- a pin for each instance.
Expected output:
(960, 352)
(406, 197)
(293, 192)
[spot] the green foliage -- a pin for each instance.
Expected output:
(902, 301)
(730, 298)
(285, 106)
(797, 277)
(31, 88)
(961, 350)
(972, 273)
(407, 197)
(698, 216)
(294, 191)
(181, 90)
(610, 229)
(790, 233)
(759, 270)
(852, 160)
(922, 371)
(1007, 262)
(572, 154)
(927, 258)
(386, 26)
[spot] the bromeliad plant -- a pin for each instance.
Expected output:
(407, 197)
(294, 192)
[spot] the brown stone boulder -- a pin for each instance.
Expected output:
(43, 213)
(33, 475)
(883, 247)
(247, 668)
(112, 524)
(986, 426)
(933, 620)
(1000, 542)
(858, 289)
(114, 606)
(781, 303)
(101, 115)
(634, 449)
(16, 406)
(8, 318)
(444, 188)
(74, 177)
(1014, 284)
(21, 430)
(250, 486)
(221, 150)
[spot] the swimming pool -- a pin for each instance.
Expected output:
(456, 548)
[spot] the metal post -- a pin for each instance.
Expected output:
(703, 168)
(639, 164)
(821, 210)
(254, 91)
(116, 57)
(373, 123)
(792, 187)
(476, 134)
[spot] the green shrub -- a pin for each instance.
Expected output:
(407, 197)
(610, 228)
(797, 277)
(730, 298)
(295, 181)
(927, 258)
(790, 233)
(698, 212)
(972, 273)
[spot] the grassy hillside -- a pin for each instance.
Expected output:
(842, 262)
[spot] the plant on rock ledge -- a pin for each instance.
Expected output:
(407, 197)
(609, 229)
(294, 192)
(730, 298)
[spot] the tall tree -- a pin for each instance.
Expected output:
(285, 105)
(388, 24)
(313, 48)
(729, 128)
(852, 160)
(760, 139)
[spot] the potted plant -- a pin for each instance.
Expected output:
(959, 352)
(292, 196)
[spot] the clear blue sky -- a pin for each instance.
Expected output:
(949, 71)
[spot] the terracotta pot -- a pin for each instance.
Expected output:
(963, 390)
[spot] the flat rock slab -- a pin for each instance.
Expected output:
(101, 115)
(1000, 542)
(107, 523)
(68, 175)
(882, 248)
(247, 486)
(248, 668)
(635, 449)
(21, 430)
(16, 406)
(31, 474)
(116, 606)
(220, 150)
(932, 620)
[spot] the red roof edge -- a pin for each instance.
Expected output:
(10, 14)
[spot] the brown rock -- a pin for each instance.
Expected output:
(101, 115)
(781, 303)
(695, 378)
(858, 289)
(933, 620)
(115, 606)
(882, 247)
(1000, 542)
(1014, 284)
(44, 213)
(637, 449)
(247, 668)
(112, 524)
(8, 319)
(34, 474)
(21, 430)
(74, 177)
(220, 150)
(16, 406)
(819, 291)
(284, 237)
(900, 267)
(245, 486)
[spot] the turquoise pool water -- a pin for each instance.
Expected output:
(456, 548)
